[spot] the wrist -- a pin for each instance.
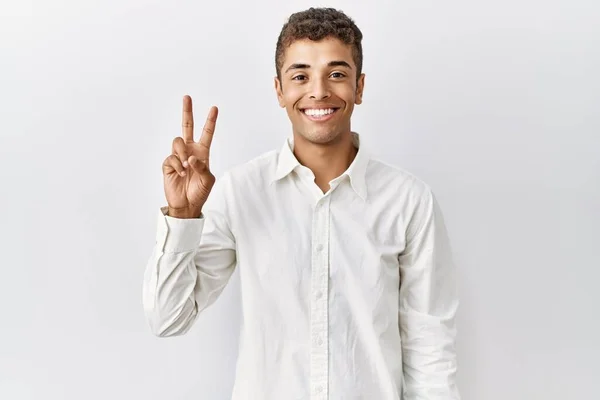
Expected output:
(183, 213)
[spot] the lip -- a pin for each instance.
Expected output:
(320, 118)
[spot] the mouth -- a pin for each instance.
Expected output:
(319, 114)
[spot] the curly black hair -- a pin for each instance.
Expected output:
(316, 24)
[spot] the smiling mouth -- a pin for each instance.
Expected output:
(319, 114)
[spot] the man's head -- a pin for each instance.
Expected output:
(319, 67)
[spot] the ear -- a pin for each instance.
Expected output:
(360, 87)
(279, 91)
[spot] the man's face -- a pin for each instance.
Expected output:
(318, 88)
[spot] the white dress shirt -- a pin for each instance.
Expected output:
(346, 295)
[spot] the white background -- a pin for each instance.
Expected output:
(495, 104)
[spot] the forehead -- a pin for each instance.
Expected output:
(317, 53)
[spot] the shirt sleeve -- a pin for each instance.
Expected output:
(428, 303)
(190, 265)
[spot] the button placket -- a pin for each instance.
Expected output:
(319, 321)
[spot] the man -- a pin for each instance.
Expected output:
(347, 281)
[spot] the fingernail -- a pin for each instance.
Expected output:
(182, 173)
(185, 164)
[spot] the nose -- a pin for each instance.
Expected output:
(319, 90)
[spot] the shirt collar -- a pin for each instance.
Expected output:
(287, 162)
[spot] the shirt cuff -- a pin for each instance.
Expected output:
(176, 235)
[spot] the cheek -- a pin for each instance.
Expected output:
(348, 94)
(291, 99)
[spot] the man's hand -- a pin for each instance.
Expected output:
(187, 177)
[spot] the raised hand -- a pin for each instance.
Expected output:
(187, 177)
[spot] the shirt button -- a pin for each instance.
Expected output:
(319, 247)
(319, 294)
(319, 389)
(320, 341)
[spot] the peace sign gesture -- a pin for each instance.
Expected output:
(187, 177)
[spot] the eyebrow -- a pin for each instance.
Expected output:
(330, 64)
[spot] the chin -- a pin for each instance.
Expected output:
(320, 137)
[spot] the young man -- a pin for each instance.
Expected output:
(347, 280)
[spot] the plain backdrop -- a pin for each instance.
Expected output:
(495, 104)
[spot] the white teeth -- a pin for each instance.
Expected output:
(318, 112)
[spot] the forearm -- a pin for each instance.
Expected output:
(170, 276)
(429, 356)
(191, 264)
(168, 292)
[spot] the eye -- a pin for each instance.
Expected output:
(299, 77)
(338, 75)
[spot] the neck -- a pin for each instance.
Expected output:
(326, 161)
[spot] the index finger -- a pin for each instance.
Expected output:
(187, 123)
(209, 127)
